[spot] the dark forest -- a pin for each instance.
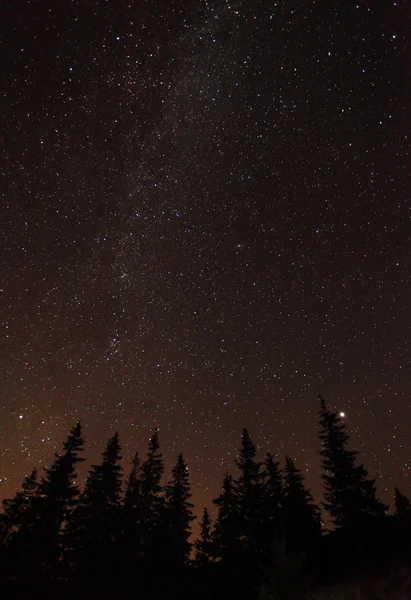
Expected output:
(130, 537)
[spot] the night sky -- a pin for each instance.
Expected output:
(204, 223)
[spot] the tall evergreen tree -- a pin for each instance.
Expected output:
(152, 469)
(227, 534)
(131, 527)
(302, 520)
(349, 494)
(58, 494)
(402, 504)
(178, 513)
(37, 542)
(133, 487)
(95, 522)
(249, 491)
(152, 497)
(203, 545)
(273, 500)
(132, 509)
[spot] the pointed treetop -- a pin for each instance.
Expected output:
(112, 450)
(75, 441)
(322, 402)
(133, 481)
(348, 492)
(246, 459)
(402, 503)
(203, 545)
(152, 468)
(178, 489)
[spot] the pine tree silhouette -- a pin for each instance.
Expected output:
(349, 494)
(178, 514)
(203, 545)
(152, 469)
(273, 502)
(129, 538)
(36, 545)
(227, 533)
(402, 504)
(133, 486)
(249, 491)
(152, 498)
(58, 494)
(132, 510)
(302, 520)
(94, 526)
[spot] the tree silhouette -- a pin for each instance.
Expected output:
(402, 504)
(94, 526)
(178, 514)
(15, 510)
(133, 486)
(57, 496)
(152, 497)
(227, 534)
(302, 521)
(203, 545)
(249, 493)
(131, 529)
(36, 544)
(273, 501)
(349, 494)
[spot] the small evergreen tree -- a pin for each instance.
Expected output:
(227, 534)
(302, 520)
(349, 494)
(178, 513)
(203, 545)
(402, 504)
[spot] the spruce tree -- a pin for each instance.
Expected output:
(152, 497)
(94, 526)
(402, 504)
(203, 545)
(132, 509)
(37, 541)
(133, 486)
(131, 526)
(349, 494)
(58, 494)
(249, 491)
(227, 533)
(302, 520)
(152, 469)
(273, 501)
(178, 514)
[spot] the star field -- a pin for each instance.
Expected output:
(205, 221)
